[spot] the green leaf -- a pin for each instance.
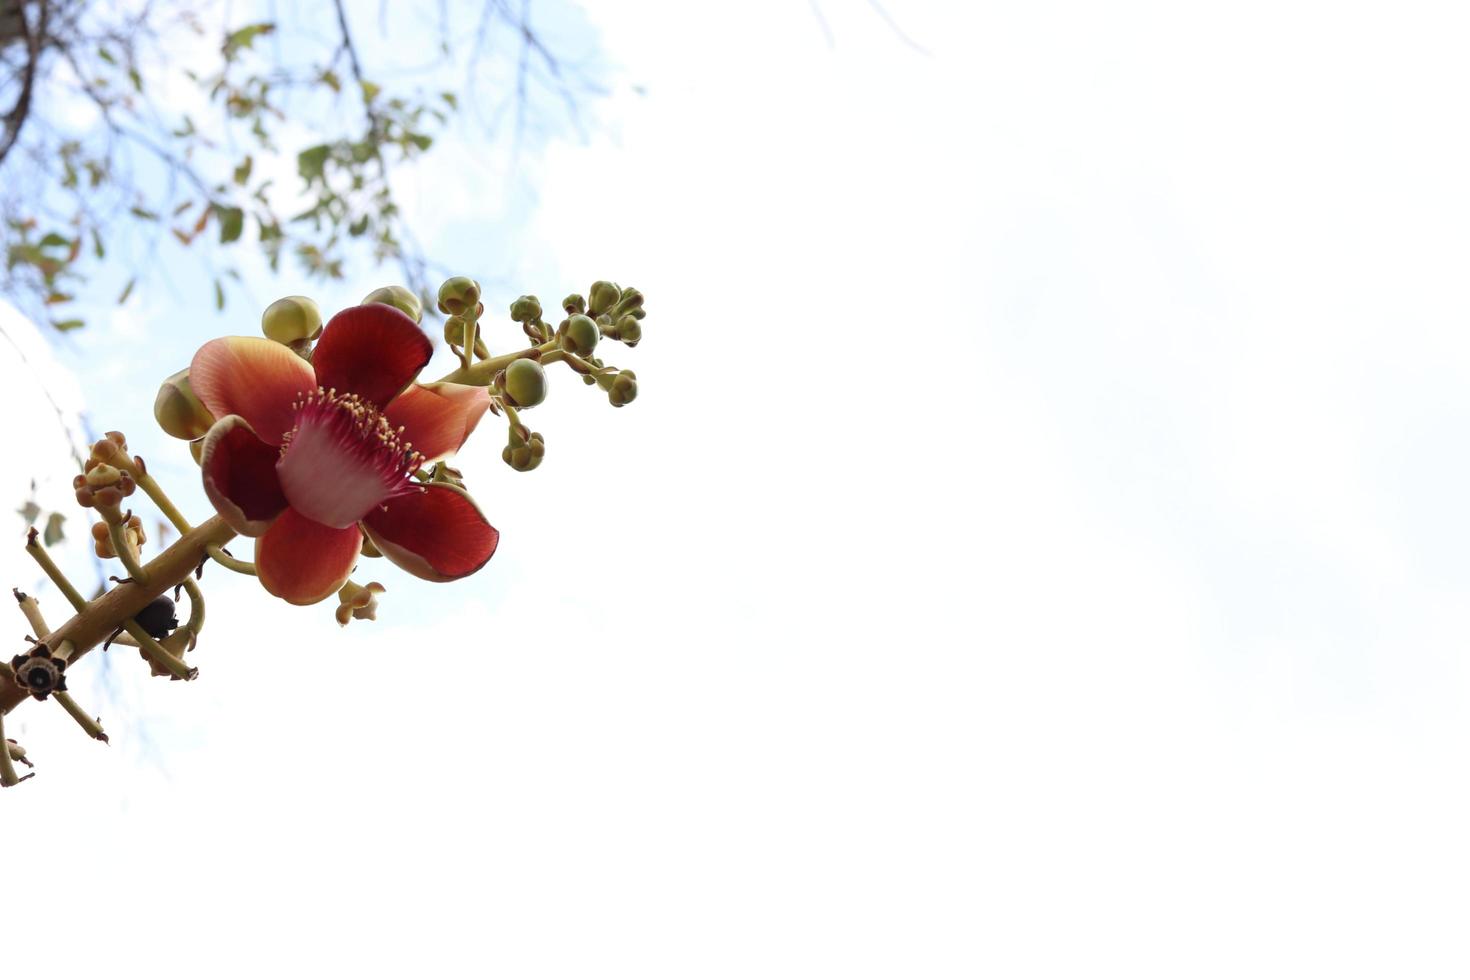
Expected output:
(97, 248)
(370, 91)
(421, 140)
(53, 532)
(311, 162)
(143, 213)
(450, 98)
(106, 56)
(127, 291)
(53, 240)
(65, 325)
(238, 41)
(219, 295)
(231, 223)
(242, 172)
(136, 79)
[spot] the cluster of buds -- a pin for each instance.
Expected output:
(133, 533)
(524, 451)
(107, 478)
(607, 312)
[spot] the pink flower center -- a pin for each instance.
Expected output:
(342, 458)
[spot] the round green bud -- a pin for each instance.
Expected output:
(525, 383)
(454, 331)
(291, 319)
(458, 295)
(523, 455)
(579, 334)
(398, 297)
(574, 304)
(623, 389)
(630, 331)
(179, 411)
(603, 296)
(526, 309)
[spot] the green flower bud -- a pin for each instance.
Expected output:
(574, 304)
(526, 309)
(524, 383)
(603, 296)
(630, 331)
(579, 334)
(523, 455)
(454, 331)
(399, 298)
(179, 411)
(622, 388)
(291, 319)
(458, 295)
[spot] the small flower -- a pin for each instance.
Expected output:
(38, 672)
(358, 601)
(307, 457)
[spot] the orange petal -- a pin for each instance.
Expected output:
(438, 418)
(439, 534)
(371, 351)
(254, 378)
(240, 476)
(302, 561)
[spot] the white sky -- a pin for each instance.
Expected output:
(1037, 550)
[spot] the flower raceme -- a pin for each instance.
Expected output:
(307, 457)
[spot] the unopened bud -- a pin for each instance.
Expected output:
(291, 319)
(603, 296)
(621, 388)
(574, 304)
(179, 411)
(630, 331)
(524, 383)
(526, 309)
(103, 475)
(454, 331)
(579, 334)
(523, 454)
(398, 297)
(458, 295)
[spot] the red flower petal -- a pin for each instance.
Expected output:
(438, 534)
(438, 418)
(302, 561)
(240, 476)
(252, 377)
(371, 351)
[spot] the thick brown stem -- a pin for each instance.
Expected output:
(92, 625)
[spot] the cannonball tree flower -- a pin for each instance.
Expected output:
(307, 457)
